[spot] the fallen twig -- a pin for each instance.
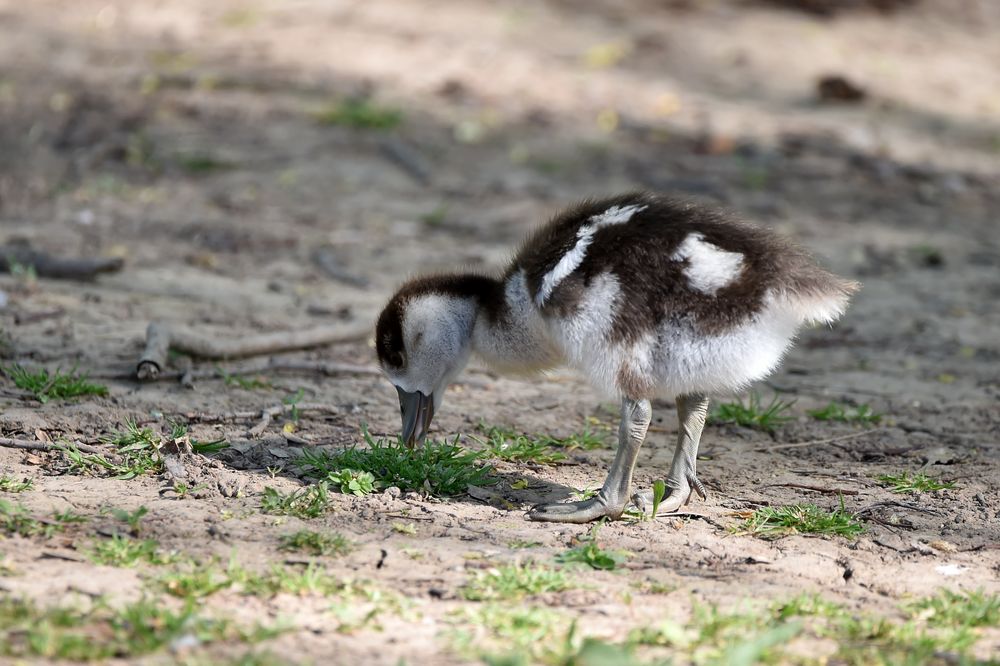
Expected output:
(819, 489)
(46, 265)
(258, 430)
(48, 446)
(328, 263)
(161, 338)
(818, 442)
(904, 505)
(408, 159)
(276, 410)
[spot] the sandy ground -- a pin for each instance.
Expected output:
(511, 111)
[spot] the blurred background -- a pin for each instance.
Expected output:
(260, 163)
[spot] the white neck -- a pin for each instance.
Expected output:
(518, 341)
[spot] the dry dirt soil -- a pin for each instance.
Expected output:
(186, 138)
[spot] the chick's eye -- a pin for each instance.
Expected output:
(396, 359)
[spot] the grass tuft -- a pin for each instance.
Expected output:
(514, 581)
(437, 468)
(592, 555)
(138, 448)
(775, 522)
(360, 114)
(316, 543)
(57, 386)
(309, 502)
(753, 414)
(506, 444)
(16, 519)
(9, 484)
(201, 163)
(958, 609)
(904, 482)
(844, 414)
(123, 551)
(102, 633)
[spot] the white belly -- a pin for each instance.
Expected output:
(674, 359)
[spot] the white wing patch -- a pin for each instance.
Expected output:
(709, 268)
(584, 237)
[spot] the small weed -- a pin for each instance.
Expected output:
(520, 544)
(436, 217)
(209, 448)
(438, 468)
(353, 482)
(68, 517)
(653, 587)
(360, 114)
(591, 554)
(300, 581)
(595, 435)
(753, 414)
(182, 489)
(198, 582)
(132, 518)
(103, 632)
(138, 450)
(58, 386)
(293, 401)
(25, 274)
(513, 447)
(9, 484)
(203, 580)
(84, 463)
(123, 551)
(958, 609)
(15, 519)
(316, 543)
(202, 163)
(249, 384)
(514, 581)
(759, 634)
(844, 414)
(775, 522)
(526, 633)
(580, 494)
(404, 528)
(309, 502)
(919, 482)
(659, 492)
(179, 431)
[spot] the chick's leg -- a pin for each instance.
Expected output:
(611, 499)
(692, 411)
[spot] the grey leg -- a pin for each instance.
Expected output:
(692, 411)
(611, 499)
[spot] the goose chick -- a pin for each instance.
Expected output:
(646, 296)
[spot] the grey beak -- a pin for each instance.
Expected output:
(417, 411)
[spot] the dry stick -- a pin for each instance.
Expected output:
(819, 489)
(160, 339)
(817, 442)
(47, 446)
(258, 430)
(328, 263)
(270, 411)
(55, 267)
